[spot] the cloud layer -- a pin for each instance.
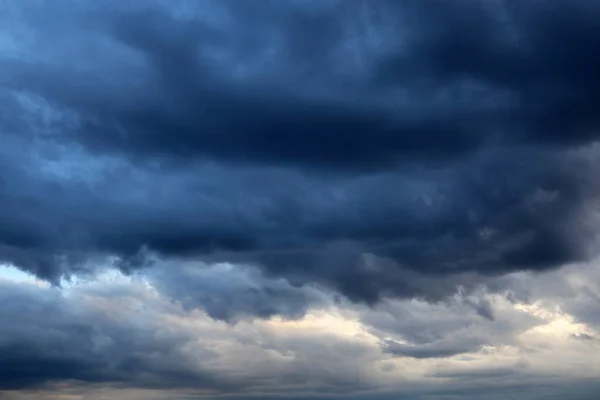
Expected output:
(157, 131)
(129, 338)
(425, 169)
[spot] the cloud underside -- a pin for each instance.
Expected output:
(451, 140)
(263, 179)
(132, 337)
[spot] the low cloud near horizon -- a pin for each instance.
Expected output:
(299, 199)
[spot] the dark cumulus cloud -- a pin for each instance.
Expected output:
(51, 338)
(369, 146)
(228, 292)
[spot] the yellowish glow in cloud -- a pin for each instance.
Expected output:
(558, 324)
(323, 322)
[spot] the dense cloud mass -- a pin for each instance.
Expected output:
(300, 137)
(260, 160)
(52, 339)
(130, 338)
(229, 292)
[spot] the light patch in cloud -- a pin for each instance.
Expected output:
(13, 274)
(332, 350)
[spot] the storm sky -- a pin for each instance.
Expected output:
(299, 199)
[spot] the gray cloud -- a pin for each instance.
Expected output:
(116, 336)
(432, 350)
(230, 292)
(48, 338)
(159, 130)
(444, 329)
(121, 334)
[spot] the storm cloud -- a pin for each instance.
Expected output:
(423, 168)
(443, 139)
(51, 338)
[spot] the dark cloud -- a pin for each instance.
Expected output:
(539, 54)
(431, 350)
(425, 330)
(230, 292)
(48, 338)
(542, 53)
(480, 373)
(439, 141)
(118, 333)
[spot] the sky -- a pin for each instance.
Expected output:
(299, 199)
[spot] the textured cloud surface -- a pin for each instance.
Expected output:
(299, 198)
(126, 337)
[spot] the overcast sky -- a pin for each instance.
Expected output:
(299, 199)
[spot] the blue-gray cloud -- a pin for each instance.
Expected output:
(298, 138)
(48, 338)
